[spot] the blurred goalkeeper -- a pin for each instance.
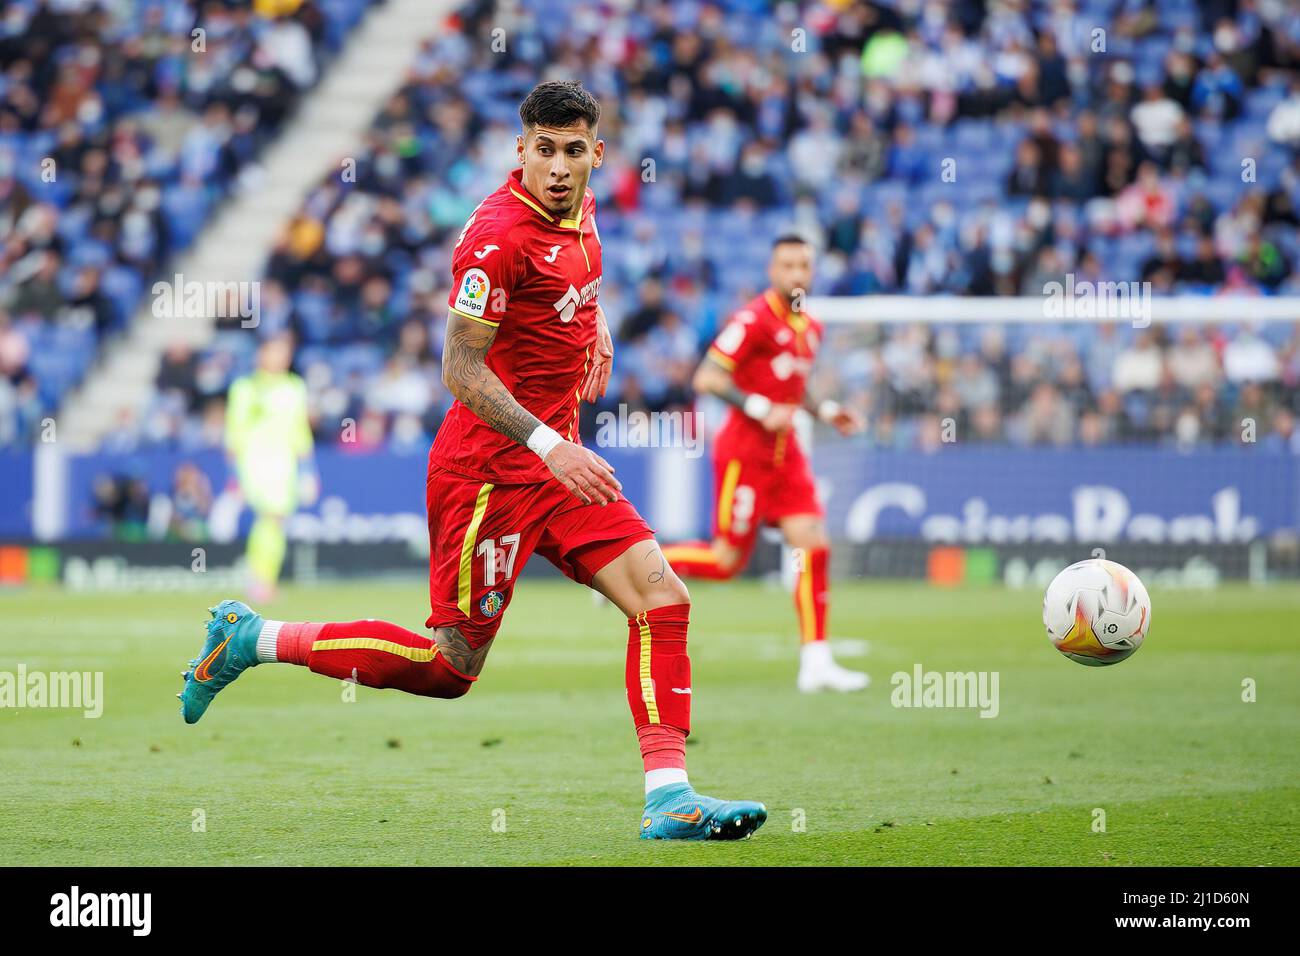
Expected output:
(759, 364)
(269, 445)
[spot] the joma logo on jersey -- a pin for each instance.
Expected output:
(567, 305)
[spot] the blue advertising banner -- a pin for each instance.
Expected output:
(1003, 495)
(364, 497)
(15, 494)
(960, 494)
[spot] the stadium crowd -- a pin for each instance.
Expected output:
(972, 148)
(120, 126)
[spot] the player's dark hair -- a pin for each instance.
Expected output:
(790, 238)
(559, 103)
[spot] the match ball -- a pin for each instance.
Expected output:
(1096, 612)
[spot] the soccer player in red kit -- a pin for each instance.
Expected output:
(760, 363)
(508, 476)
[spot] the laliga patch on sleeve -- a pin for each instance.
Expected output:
(729, 339)
(472, 296)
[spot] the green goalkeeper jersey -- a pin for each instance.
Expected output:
(266, 417)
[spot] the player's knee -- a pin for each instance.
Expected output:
(810, 537)
(671, 590)
(445, 681)
(729, 563)
(730, 560)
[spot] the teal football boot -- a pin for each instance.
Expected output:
(229, 649)
(676, 812)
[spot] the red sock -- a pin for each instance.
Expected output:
(696, 559)
(294, 640)
(812, 594)
(658, 677)
(662, 746)
(374, 653)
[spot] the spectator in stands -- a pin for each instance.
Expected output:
(1248, 358)
(1045, 418)
(1217, 92)
(1193, 361)
(740, 143)
(1284, 436)
(191, 502)
(1157, 119)
(1138, 368)
(122, 501)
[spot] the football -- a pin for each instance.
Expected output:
(1096, 612)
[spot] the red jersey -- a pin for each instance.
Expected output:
(534, 278)
(770, 350)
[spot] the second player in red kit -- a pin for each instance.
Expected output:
(760, 363)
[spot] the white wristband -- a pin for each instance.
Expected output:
(757, 406)
(543, 441)
(827, 410)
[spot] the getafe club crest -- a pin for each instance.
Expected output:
(491, 603)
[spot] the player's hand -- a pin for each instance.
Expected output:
(308, 487)
(847, 421)
(602, 362)
(586, 475)
(780, 418)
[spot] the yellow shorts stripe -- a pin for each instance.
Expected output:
(686, 553)
(578, 393)
(473, 318)
(725, 497)
(647, 683)
(465, 583)
(420, 655)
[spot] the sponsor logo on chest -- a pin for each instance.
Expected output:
(786, 364)
(569, 303)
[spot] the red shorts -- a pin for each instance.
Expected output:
(481, 535)
(752, 488)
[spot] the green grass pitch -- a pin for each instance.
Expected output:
(538, 764)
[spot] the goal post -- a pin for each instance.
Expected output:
(1105, 304)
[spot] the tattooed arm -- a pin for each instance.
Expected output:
(467, 377)
(586, 475)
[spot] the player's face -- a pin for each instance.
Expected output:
(558, 163)
(791, 268)
(276, 355)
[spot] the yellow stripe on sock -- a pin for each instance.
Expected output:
(729, 480)
(807, 621)
(647, 683)
(421, 655)
(465, 584)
